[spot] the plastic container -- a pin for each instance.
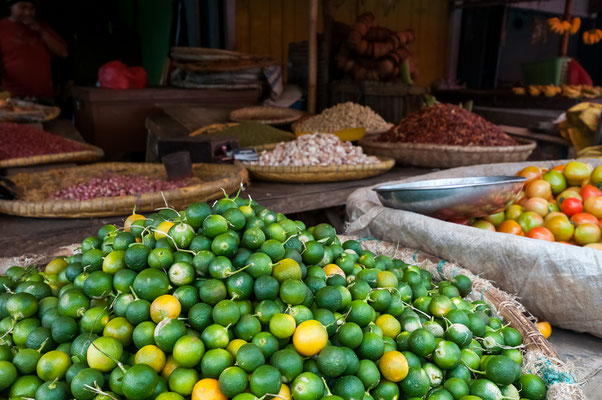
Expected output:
(549, 72)
(177, 165)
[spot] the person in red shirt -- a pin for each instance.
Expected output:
(26, 49)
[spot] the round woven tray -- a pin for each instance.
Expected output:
(266, 115)
(36, 187)
(540, 357)
(34, 112)
(316, 173)
(90, 154)
(442, 156)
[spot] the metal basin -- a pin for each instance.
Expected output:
(455, 198)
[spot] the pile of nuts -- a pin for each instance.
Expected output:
(315, 149)
(113, 185)
(344, 116)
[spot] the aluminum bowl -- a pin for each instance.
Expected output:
(455, 198)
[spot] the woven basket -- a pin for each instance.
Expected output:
(34, 112)
(442, 156)
(266, 115)
(214, 178)
(316, 173)
(90, 154)
(540, 356)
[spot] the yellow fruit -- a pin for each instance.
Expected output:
(394, 366)
(55, 266)
(127, 225)
(575, 25)
(389, 325)
(234, 345)
(310, 337)
(333, 269)
(519, 91)
(170, 365)
(162, 229)
(284, 393)
(545, 328)
(165, 307)
(152, 356)
(207, 389)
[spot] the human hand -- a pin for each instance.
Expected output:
(32, 24)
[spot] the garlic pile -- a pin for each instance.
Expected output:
(315, 149)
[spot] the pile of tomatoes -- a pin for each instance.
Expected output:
(563, 204)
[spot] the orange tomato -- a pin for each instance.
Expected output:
(510, 226)
(584, 218)
(537, 205)
(593, 205)
(554, 214)
(541, 233)
(559, 167)
(531, 173)
(539, 188)
(588, 191)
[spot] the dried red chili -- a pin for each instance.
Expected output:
(449, 125)
(17, 140)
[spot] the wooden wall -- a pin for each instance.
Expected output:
(268, 26)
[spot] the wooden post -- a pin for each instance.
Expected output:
(564, 39)
(313, 56)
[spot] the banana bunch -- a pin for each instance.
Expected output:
(561, 27)
(519, 90)
(592, 36)
(571, 91)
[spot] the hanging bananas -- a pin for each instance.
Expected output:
(561, 27)
(592, 36)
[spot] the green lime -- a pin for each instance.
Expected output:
(224, 245)
(167, 332)
(532, 387)
(187, 295)
(502, 370)
(182, 380)
(215, 361)
(459, 334)
(332, 361)
(20, 330)
(412, 359)
(265, 310)
(456, 387)
(293, 292)
(200, 316)
(287, 268)
(267, 343)
(41, 339)
(249, 357)
(52, 391)
(222, 205)
(275, 231)
(372, 346)
(24, 386)
(86, 378)
(274, 249)
(139, 382)
(104, 353)
(330, 298)
(122, 240)
(386, 390)
(182, 235)
(380, 299)
(513, 354)
(421, 342)
(493, 342)
(136, 256)
(39, 290)
(181, 273)
(138, 311)
(301, 314)
(200, 243)
(92, 260)
(313, 253)
(512, 337)
(307, 386)
(349, 387)
(282, 325)
(196, 213)
(25, 361)
(188, 351)
(150, 284)
(53, 365)
(416, 383)
(226, 312)
(247, 327)
(434, 373)
(288, 362)
(461, 371)
(21, 305)
(485, 389)
(266, 287)
(368, 373)
(233, 381)
(143, 334)
(91, 242)
(120, 329)
(253, 238)
(80, 345)
(361, 313)
(121, 304)
(215, 336)
(214, 225)
(239, 285)
(476, 325)
(213, 291)
(160, 258)
(65, 329)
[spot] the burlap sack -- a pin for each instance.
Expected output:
(558, 283)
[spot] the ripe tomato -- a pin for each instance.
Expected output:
(590, 190)
(584, 218)
(587, 233)
(539, 188)
(529, 220)
(554, 214)
(510, 226)
(571, 206)
(561, 228)
(531, 173)
(593, 205)
(537, 205)
(568, 194)
(541, 233)
(576, 172)
(559, 168)
(482, 224)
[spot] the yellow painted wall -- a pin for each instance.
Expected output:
(268, 26)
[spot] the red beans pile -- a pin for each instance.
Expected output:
(114, 185)
(18, 140)
(447, 124)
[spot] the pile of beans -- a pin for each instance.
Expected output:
(447, 124)
(17, 140)
(114, 185)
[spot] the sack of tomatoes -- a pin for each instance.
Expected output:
(562, 204)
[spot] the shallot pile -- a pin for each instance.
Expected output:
(18, 140)
(447, 124)
(114, 185)
(315, 149)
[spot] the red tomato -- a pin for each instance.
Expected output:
(571, 206)
(541, 233)
(590, 190)
(584, 218)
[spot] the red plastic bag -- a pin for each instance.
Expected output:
(117, 75)
(578, 75)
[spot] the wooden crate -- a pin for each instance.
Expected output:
(392, 100)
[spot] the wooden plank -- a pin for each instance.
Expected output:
(259, 14)
(242, 26)
(526, 133)
(276, 35)
(288, 32)
(301, 20)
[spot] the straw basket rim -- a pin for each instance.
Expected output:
(90, 153)
(266, 115)
(226, 177)
(318, 173)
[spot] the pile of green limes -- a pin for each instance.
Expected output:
(236, 301)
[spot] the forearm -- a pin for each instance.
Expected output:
(56, 45)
